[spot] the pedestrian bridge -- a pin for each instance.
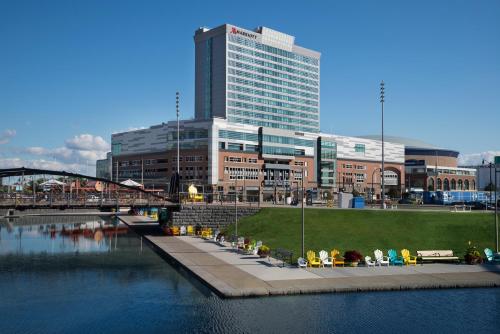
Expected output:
(69, 193)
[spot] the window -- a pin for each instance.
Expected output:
(360, 167)
(359, 148)
(251, 148)
(347, 166)
(360, 178)
(116, 149)
(235, 147)
(252, 160)
(222, 145)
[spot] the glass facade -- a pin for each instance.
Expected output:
(271, 87)
(327, 162)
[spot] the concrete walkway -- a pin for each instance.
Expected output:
(231, 274)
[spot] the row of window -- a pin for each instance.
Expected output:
(234, 47)
(279, 111)
(270, 102)
(259, 92)
(252, 114)
(286, 151)
(275, 81)
(271, 124)
(261, 85)
(228, 134)
(240, 159)
(236, 64)
(187, 145)
(273, 50)
(188, 134)
(451, 171)
(242, 173)
(287, 140)
(238, 147)
(446, 185)
(273, 66)
(350, 166)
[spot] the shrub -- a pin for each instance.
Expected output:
(264, 250)
(353, 256)
(472, 255)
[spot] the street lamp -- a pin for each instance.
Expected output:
(382, 205)
(303, 175)
(178, 144)
(236, 205)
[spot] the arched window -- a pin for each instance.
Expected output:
(466, 184)
(453, 184)
(430, 185)
(473, 185)
(460, 185)
(439, 184)
(446, 185)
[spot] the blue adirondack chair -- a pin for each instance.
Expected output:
(394, 258)
(490, 256)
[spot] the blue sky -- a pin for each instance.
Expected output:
(73, 72)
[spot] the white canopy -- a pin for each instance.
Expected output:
(53, 182)
(131, 183)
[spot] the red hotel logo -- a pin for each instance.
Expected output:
(242, 33)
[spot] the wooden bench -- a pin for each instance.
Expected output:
(461, 208)
(437, 256)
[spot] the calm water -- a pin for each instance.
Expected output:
(92, 276)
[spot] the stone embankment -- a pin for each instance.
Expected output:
(211, 216)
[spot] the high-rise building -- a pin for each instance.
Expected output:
(259, 78)
(256, 130)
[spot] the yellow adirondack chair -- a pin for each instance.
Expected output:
(190, 230)
(337, 259)
(408, 259)
(312, 260)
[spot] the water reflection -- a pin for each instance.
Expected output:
(96, 235)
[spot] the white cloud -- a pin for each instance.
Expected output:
(78, 154)
(46, 164)
(6, 136)
(87, 142)
(473, 159)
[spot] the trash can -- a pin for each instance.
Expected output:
(358, 202)
(163, 217)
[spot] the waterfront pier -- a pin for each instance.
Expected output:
(231, 274)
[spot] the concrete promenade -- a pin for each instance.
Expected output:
(231, 274)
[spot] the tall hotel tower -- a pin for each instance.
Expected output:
(260, 78)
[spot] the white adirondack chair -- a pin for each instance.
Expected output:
(369, 261)
(258, 244)
(183, 230)
(325, 259)
(301, 262)
(380, 258)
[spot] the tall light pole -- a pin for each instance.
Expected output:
(303, 175)
(236, 205)
(178, 145)
(382, 203)
(496, 203)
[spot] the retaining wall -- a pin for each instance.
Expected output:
(211, 216)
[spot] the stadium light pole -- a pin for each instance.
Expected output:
(382, 202)
(178, 145)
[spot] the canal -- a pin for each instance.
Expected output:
(88, 275)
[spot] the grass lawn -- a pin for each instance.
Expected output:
(367, 230)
